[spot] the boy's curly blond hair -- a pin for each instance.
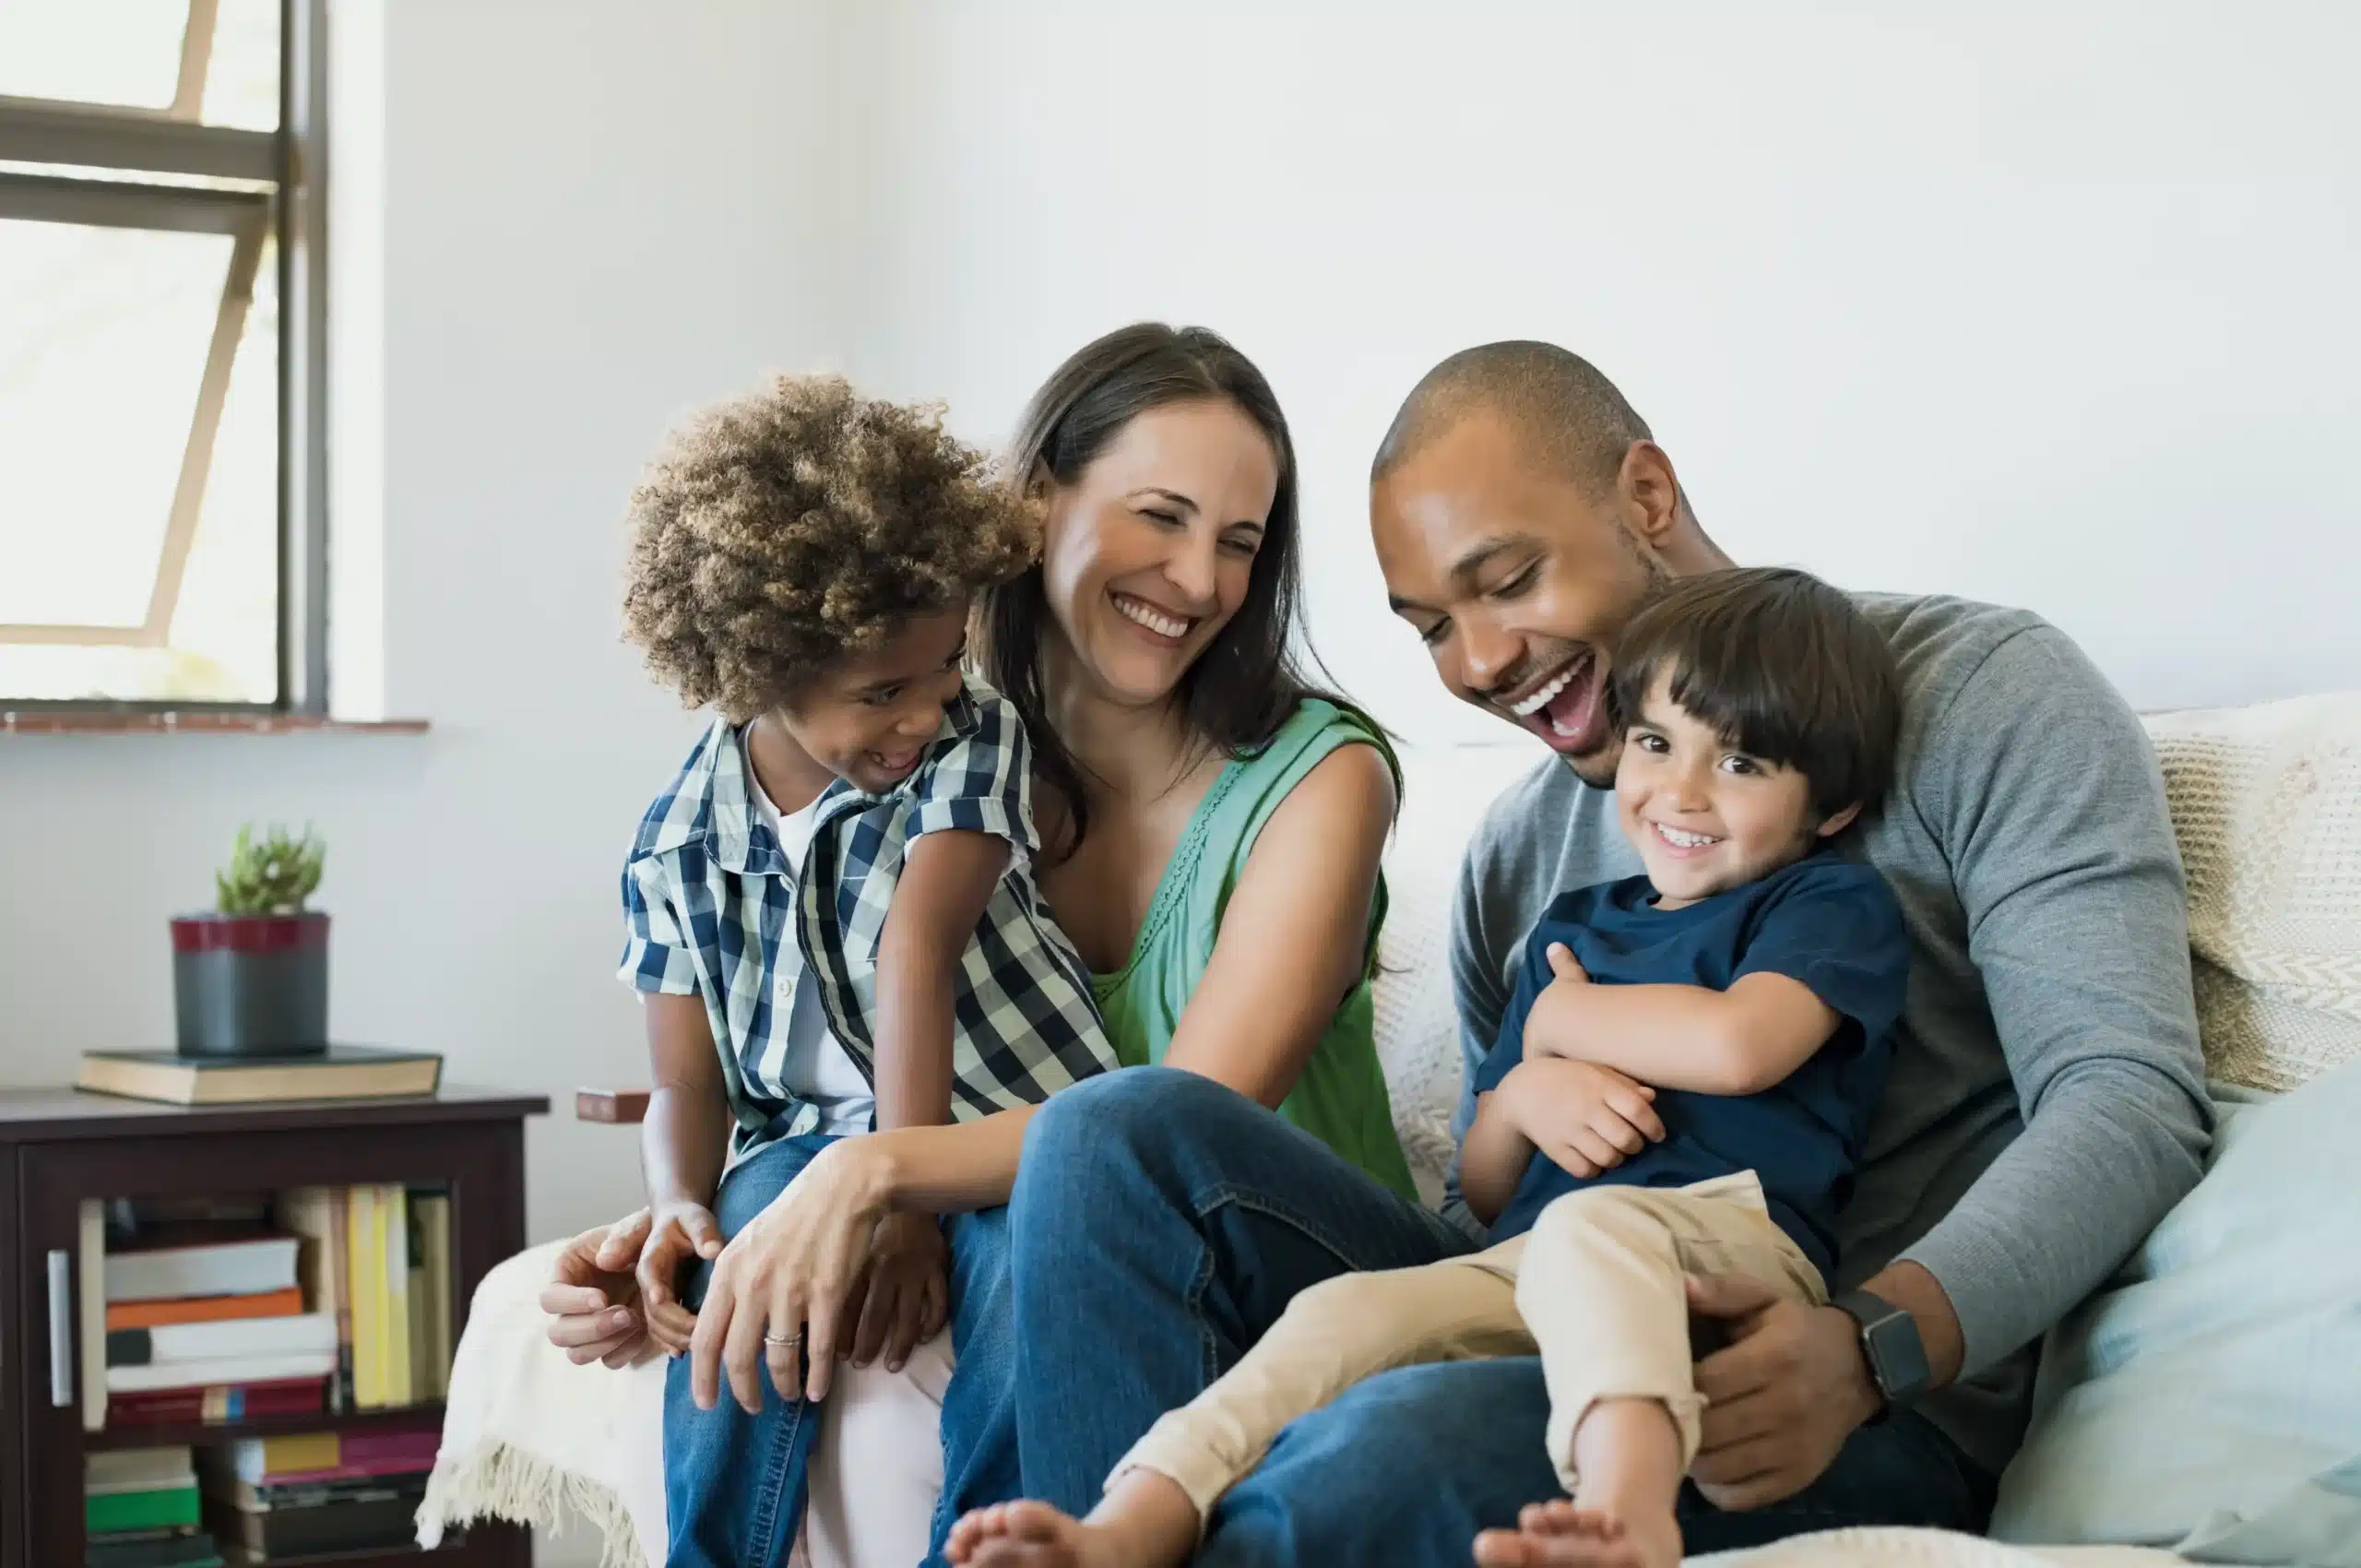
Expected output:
(778, 532)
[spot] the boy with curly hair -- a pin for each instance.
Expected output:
(832, 912)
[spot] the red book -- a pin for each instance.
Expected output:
(213, 1406)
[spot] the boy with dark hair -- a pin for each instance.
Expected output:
(831, 911)
(1681, 1085)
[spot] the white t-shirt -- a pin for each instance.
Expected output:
(812, 1064)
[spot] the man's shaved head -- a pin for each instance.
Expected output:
(1565, 413)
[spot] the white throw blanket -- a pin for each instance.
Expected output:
(528, 1435)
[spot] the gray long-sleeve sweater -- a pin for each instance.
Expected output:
(2048, 1101)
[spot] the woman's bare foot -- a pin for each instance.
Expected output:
(1559, 1535)
(1146, 1521)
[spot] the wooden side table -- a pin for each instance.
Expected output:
(59, 1146)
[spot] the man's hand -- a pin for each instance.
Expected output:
(679, 1233)
(1587, 1118)
(1781, 1396)
(904, 1294)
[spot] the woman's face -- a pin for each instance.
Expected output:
(1147, 554)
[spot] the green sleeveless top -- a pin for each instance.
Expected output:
(1340, 1099)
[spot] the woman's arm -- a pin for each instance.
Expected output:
(946, 881)
(1293, 941)
(1294, 936)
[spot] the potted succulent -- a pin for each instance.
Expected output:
(251, 979)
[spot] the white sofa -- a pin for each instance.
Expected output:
(2267, 803)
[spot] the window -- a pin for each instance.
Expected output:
(161, 316)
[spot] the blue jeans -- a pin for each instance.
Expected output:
(1161, 1223)
(734, 1483)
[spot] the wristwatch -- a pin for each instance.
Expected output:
(1890, 1344)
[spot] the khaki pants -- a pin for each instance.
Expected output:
(1594, 1287)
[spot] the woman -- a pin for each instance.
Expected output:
(1149, 654)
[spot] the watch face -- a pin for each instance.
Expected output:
(1896, 1355)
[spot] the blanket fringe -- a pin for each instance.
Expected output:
(498, 1481)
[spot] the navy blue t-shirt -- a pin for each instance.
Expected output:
(1826, 922)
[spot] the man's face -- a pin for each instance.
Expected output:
(1516, 580)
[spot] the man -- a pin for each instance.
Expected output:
(2046, 1109)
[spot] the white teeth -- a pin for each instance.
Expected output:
(1682, 840)
(1167, 626)
(1548, 694)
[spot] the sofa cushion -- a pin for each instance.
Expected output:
(2266, 802)
(1445, 791)
(2209, 1399)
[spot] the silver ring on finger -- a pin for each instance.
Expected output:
(782, 1341)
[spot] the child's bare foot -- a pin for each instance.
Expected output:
(1032, 1534)
(1559, 1535)
(1146, 1521)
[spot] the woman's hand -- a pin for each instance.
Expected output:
(1587, 1118)
(903, 1294)
(593, 1298)
(676, 1234)
(777, 1297)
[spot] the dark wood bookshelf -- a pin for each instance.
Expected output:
(60, 1147)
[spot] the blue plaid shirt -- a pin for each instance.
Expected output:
(708, 897)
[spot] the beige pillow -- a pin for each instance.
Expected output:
(2266, 801)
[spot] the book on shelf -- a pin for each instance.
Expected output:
(227, 1337)
(129, 1468)
(90, 1295)
(124, 1315)
(146, 1508)
(363, 1517)
(170, 1270)
(393, 1216)
(218, 1405)
(174, 1547)
(341, 1072)
(430, 1292)
(221, 1372)
(317, 1215)
(153, 1549)
(363, 1262)
(317, 1458)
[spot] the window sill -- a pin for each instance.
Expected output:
(98, 721)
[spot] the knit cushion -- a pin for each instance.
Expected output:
(2267, 805)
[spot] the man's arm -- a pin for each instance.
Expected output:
(946, 881)
(2077, 919)
(2047, 801)
(1480, 997)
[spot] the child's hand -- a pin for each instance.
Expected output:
(904, 1294)
(1587, 1118)
(1546, 1031)
(679, 1233)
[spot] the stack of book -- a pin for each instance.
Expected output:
(140, 1510)
(324, 1299)
(200, 1324)
(318, 1493)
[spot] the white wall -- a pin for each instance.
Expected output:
(2046, 305)
(2052, 305)
(591, 221)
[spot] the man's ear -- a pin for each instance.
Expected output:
(1838, 823)
(1651, 494)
